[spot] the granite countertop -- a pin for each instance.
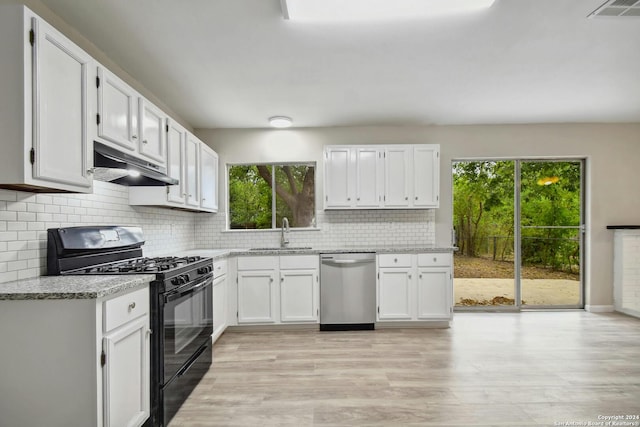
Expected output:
(71, 287)
(296, 250)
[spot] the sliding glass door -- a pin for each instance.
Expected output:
(551, 233)
(519, 231)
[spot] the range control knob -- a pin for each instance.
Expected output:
(206, 269)
(175, 281)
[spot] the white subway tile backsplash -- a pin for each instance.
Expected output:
(25, 217)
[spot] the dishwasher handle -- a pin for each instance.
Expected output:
(346, 261)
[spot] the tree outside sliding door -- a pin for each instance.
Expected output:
(483, 210)
(519, 232)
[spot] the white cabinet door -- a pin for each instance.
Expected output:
(208, 178)
(395, 293)
(219, 306)
(152, 132)
(426, 176)
(368, 171)
(176, 161)
(117, 116)
(338, 181)
(257, 296)
(60, 146)
(397, 176)
(192, 173)
(299, 293)
(434, 293)
(126, 374)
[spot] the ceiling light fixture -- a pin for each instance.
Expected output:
(280, 122)
(371, 10)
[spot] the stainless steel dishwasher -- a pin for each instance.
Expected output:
(347, 291)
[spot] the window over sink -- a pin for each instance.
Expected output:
(261, 195)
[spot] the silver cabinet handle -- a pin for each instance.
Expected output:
(409, 276)
(132, 306)
(282, 279)
(406, 198)
(134, 136)
(395, 260)
(144, 141)
(270, 279)
(416, 197)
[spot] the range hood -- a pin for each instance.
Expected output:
(114, 166)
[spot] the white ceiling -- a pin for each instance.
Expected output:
(234, 63)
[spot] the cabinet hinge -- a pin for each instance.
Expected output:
(103, 358)
(378, 309)
(32, 37)
(98, 119)
(32, 156)
(97, 81)
(166, 128)
(437, 197)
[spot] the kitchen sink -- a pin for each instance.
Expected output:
(290, 248)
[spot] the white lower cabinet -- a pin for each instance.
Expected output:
(415, 287)
(220, 300)
(257, 296)
(126, 374)
(125, 355)
(85, 363)
(278, 289)
(395, 294)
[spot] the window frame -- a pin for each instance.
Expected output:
(274, 226)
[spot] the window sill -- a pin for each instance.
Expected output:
(270, 230)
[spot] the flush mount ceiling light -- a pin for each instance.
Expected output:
(371, 10)
(280, 122)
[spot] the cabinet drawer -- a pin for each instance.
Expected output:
(299, 261)
(220, 268)
(434, 260)
(394, 260)
(257, 262)
(122, 309)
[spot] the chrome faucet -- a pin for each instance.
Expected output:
(285, 227)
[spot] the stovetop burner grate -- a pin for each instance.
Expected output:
(142, 265)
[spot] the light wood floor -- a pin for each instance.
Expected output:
(488, 369)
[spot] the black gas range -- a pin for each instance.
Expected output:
(180, 300)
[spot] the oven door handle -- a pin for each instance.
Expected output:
(193, 289)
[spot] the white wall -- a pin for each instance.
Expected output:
(612, 152)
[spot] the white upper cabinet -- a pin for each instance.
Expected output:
(194, 164)
(191, 175)
(338, 177)
(426, 176)
(208, 178)
(398, 185)
(381, 176)
(126, 120)
(44, 106)
(176, 162)
(117, 118)
(369, 172)
(152, 131)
